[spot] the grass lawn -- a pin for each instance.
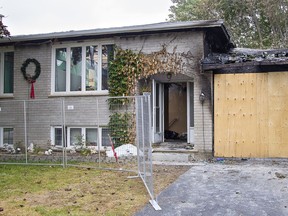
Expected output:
(51, 190)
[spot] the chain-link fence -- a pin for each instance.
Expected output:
(101, 132)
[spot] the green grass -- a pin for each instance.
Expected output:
(53, 190)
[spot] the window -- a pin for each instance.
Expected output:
(6, 73)
(6, 136)
(58, 137)
(81, 136)
(79, 69)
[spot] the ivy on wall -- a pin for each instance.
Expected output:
(128, 67)
(124, 71)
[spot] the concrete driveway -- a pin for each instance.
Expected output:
(253, 187)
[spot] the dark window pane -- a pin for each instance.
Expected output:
(58, 137)
(8, 135)
(8, 72)
(105, 137)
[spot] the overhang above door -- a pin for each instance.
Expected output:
(171, 77)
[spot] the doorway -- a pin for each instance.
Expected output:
(173, 112)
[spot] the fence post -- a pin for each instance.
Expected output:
(25, 131)
(64, 153)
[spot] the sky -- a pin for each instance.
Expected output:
(45, 16)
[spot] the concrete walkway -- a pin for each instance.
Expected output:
(227, 188)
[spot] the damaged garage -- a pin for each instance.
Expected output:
(250, 102)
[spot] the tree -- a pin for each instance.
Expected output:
(3, 29)
(252, 23)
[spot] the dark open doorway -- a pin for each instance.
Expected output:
(175, 112)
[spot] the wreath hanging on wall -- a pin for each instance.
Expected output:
(28, 77)
(31, 78)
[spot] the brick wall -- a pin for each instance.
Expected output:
(42, 53)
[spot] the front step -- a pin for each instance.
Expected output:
(170, 157)
(177, 152)
(179, 155)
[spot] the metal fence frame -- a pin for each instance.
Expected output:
(145, 166)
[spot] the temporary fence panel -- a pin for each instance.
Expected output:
(251, 118)
(143, 116)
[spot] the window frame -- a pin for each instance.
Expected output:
(53, 136)
(83, 91)
(2, 136)
(83, 133)
(2, 67)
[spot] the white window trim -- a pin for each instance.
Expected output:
(53, 136)
(68, 46)
(2, 51)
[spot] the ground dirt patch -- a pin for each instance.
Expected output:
(48, 190)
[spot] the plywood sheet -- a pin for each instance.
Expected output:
(250, 115)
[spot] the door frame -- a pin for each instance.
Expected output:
(157, 106)
(158, 136)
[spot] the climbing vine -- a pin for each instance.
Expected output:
(127, 69)
(124, 71)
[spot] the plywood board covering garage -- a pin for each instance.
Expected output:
(251, 115)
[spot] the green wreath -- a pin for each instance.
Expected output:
(28, 77)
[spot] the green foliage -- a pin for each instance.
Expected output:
(124, 71)
(119, 128)
(253, 23)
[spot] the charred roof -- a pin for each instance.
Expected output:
(246, 60)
